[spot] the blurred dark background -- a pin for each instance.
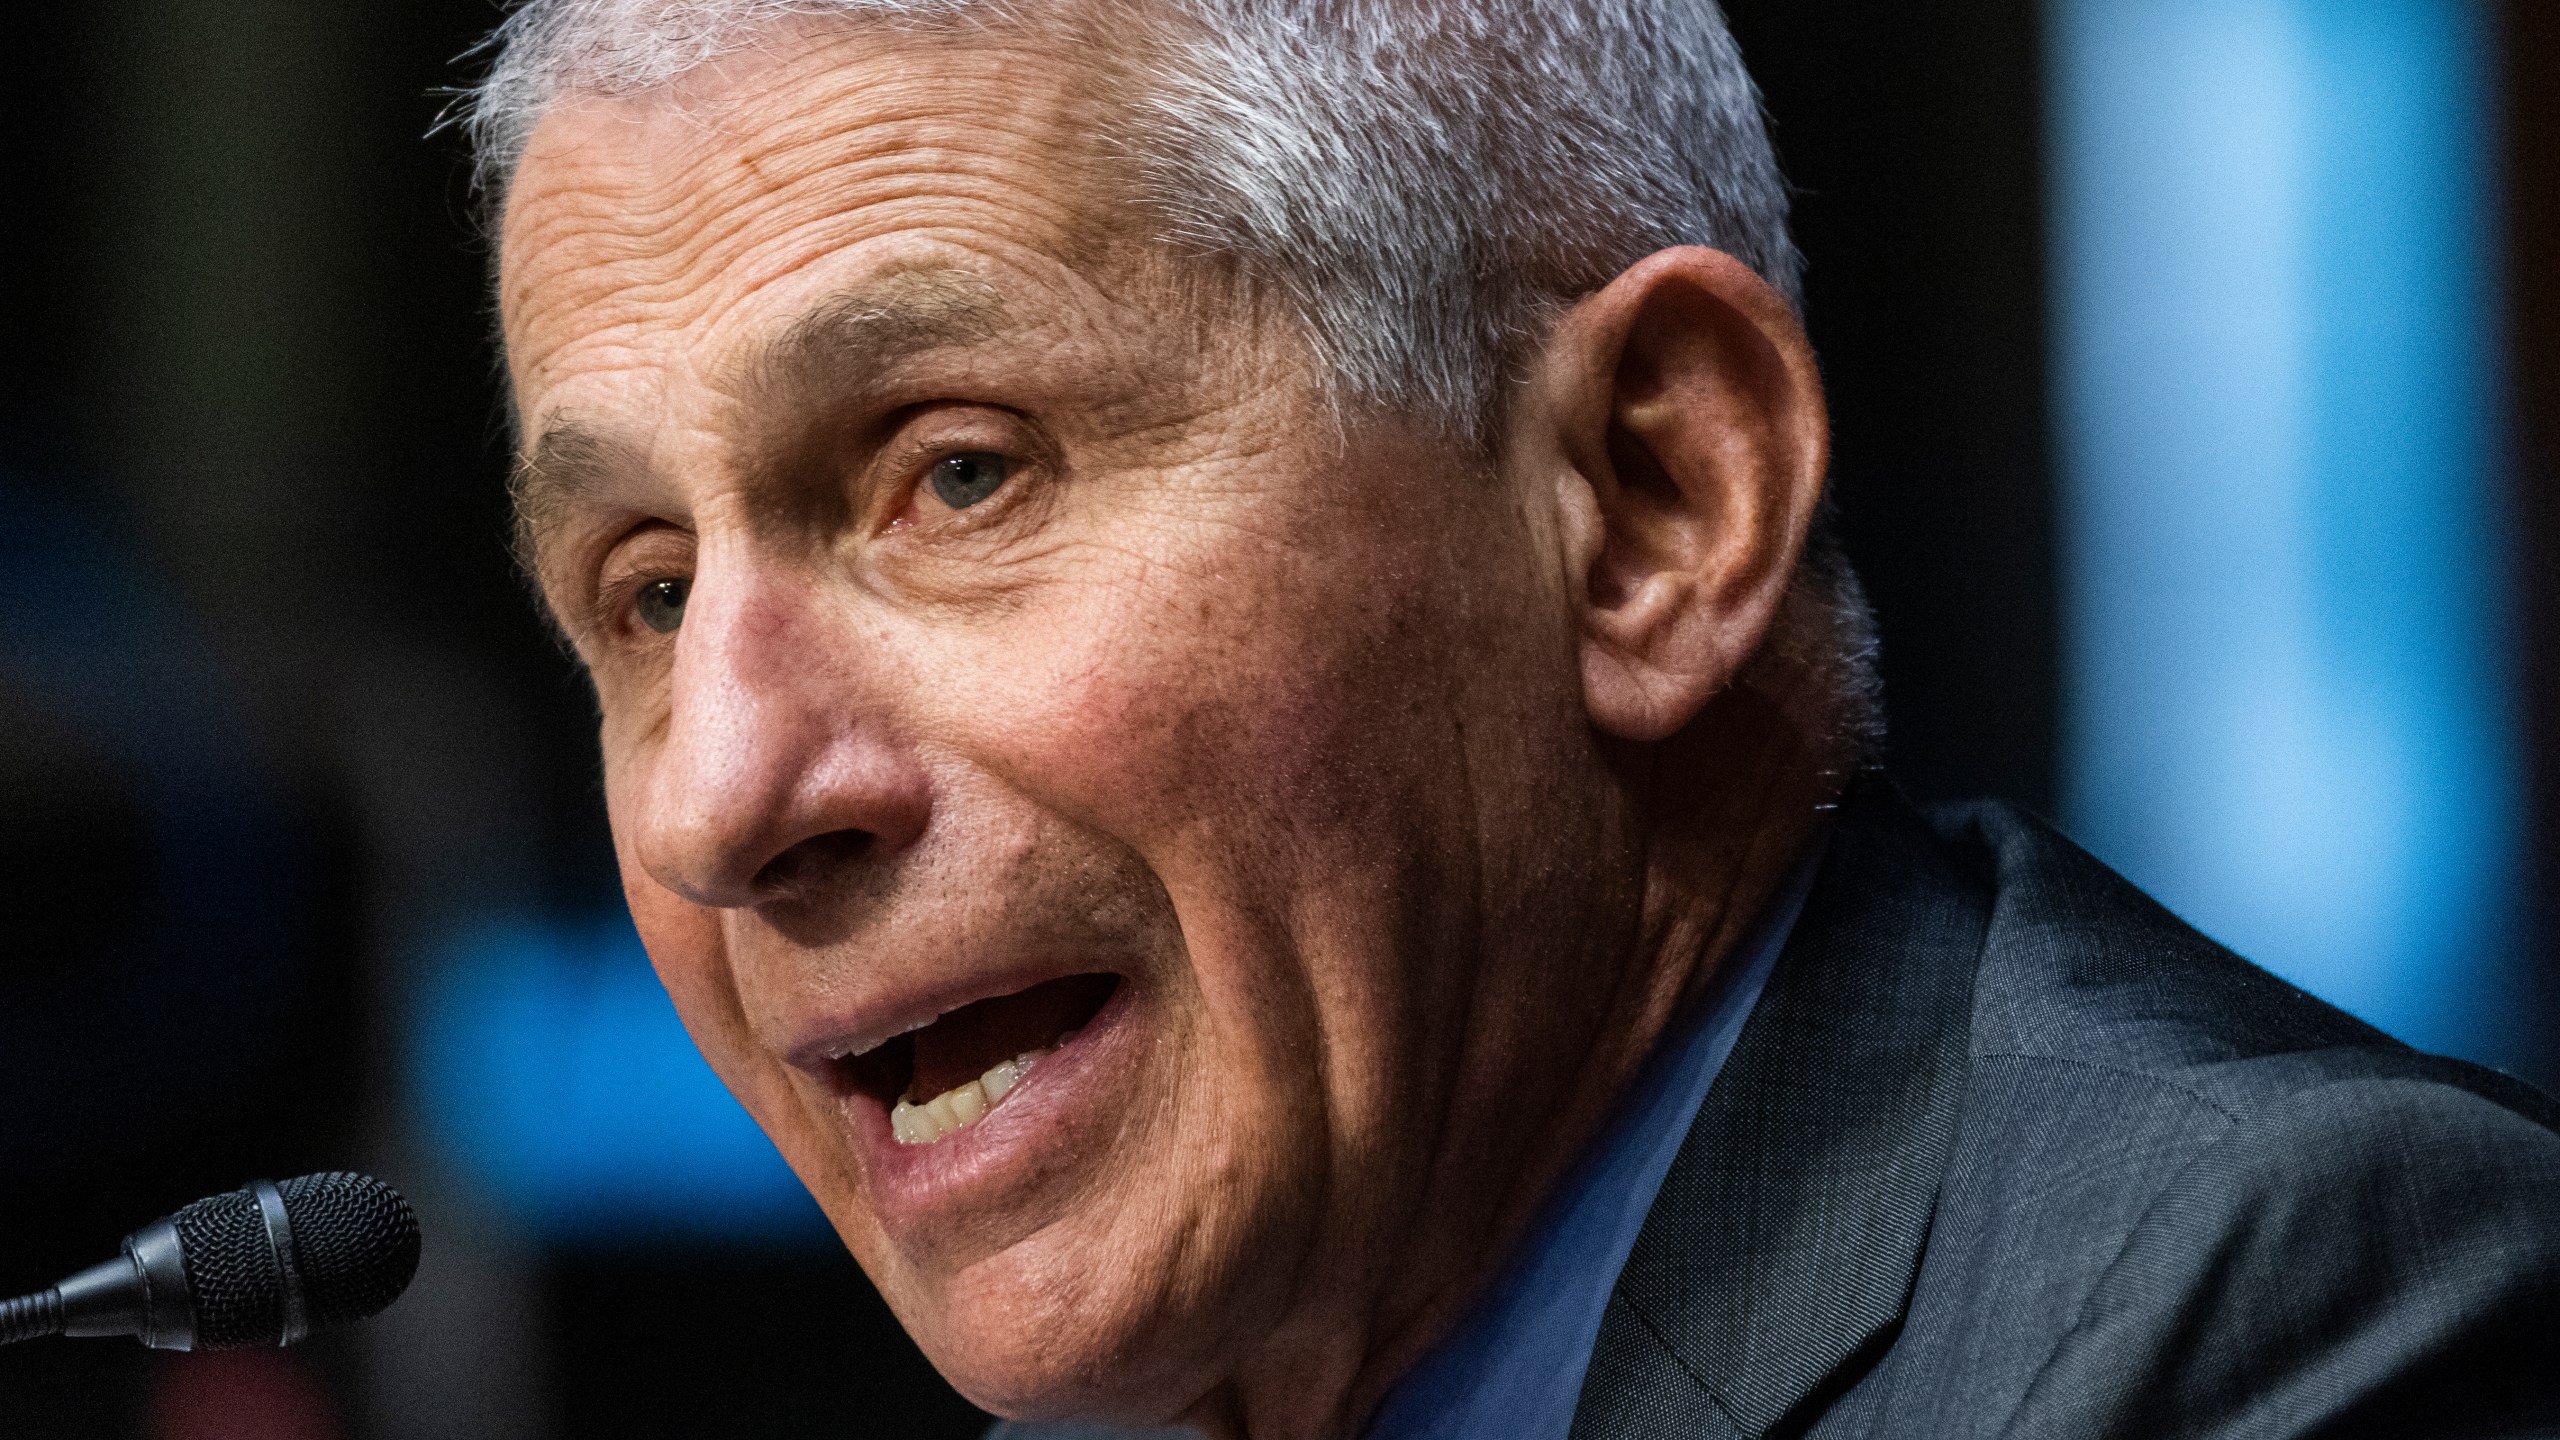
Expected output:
(304, 856)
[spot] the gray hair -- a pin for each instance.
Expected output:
(1422, 184)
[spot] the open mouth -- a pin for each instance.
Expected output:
(941, 1078)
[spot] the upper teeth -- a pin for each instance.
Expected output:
(960, 1106)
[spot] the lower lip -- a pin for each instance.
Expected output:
(1067, 1095)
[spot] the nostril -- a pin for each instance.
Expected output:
(805, 864)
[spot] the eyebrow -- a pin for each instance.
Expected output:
(837, 350)
(568, 463)
(847, 344)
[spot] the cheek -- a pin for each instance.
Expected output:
(688, 947)
(1288, 769)
(684, 943)
(1251, 717)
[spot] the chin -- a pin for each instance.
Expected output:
(1073, 1323)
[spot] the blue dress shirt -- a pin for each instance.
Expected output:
(1513, 1369)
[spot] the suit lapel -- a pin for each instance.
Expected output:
(1785, 1238)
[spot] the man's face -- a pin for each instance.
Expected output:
(995, 636)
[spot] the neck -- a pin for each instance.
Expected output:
(1724, 809)
(1729, 809)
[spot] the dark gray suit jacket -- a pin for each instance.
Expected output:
(2006, 1150)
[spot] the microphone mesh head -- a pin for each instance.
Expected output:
(356, 1241)
(232, 1273)
(355, 1245)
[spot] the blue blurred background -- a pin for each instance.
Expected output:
(2290, 690)
(2193, 364)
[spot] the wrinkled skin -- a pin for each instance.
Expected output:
(1409, 790)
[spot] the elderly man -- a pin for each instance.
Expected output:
(1226, 706)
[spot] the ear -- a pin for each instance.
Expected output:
(1680, 415)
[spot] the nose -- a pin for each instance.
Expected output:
(779, 756)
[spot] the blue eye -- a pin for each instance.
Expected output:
(661, 604)
(963, 480)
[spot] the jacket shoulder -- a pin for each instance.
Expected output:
(2378, 1254)
(2081, 967)
(2171, 1161)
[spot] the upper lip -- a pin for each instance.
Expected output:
(868, 1024)
(855, 1046)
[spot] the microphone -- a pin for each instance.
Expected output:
(263, 1265)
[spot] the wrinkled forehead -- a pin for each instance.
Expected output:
(697, 218)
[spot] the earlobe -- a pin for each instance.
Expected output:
(1686, 415)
